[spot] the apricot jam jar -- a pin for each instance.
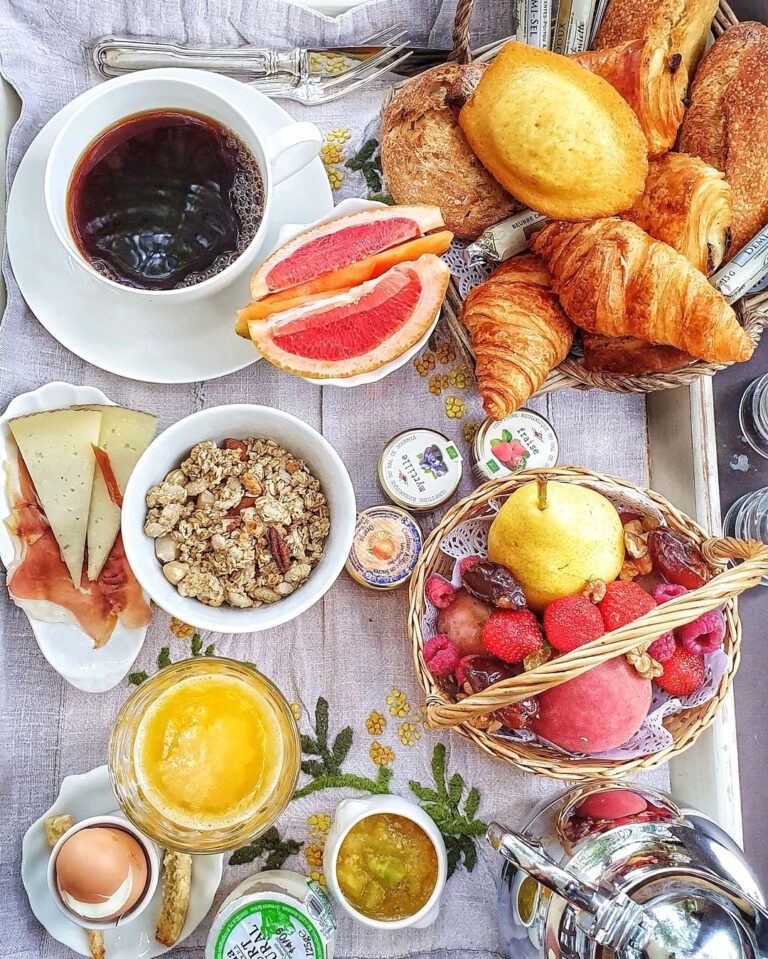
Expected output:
(204, 756)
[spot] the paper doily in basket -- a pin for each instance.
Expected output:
(470, 538)
(467, 272)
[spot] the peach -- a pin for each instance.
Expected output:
(612, 804)
(462, 622)
(599, 710)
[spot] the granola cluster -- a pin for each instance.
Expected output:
(243, 524)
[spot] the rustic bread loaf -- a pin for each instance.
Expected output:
(682, 26)
(558, 137)
(425, 156)
(727, 122)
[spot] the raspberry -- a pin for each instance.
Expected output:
(439, 592)
(441, 655)
(663, 648)
(512, 634)
(572, 621)
(683, 672)
(705, 634)
(467, 562)
(623, 603)
(663, 592)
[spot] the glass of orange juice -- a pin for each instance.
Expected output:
(205, 755)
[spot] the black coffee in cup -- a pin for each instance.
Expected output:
(165, 199)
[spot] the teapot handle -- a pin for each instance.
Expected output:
(613, 920)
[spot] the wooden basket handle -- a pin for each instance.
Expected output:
(668, 616)
(461, 30)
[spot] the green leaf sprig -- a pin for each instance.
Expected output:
(324, 761)
(164, 658)
(459, 827)
(277, 850)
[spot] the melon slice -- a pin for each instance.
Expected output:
(336, 244)
(359, 330)
(343, 279)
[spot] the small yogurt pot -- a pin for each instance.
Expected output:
(349, 812)
(153, 872)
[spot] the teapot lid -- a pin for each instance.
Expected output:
(696, 925)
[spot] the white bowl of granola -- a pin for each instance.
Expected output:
(238, 518)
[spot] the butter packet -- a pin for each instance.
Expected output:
(745, 270)
(573, 27)
(505, 239)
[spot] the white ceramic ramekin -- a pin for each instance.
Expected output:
(349, 812)
(239, 422)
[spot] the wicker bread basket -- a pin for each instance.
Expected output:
(685, 727)
(752, 310)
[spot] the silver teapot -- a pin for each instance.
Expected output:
(617, 871)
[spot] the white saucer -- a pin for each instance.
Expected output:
(148, 340)
(346, 208)
(66, 647)
(90, 794)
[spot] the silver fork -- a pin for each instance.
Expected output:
(300, 74)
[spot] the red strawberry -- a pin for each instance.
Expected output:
(572, 621)
(683, 672)
(512, 634)
(623, 603)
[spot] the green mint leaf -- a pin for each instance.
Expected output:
(455, 789)
(438, 768)
(321, 722)
(243, 855)
(196, 644)
(309, 745)
(164, 658)
(136, 679)
(210, 650)
(313, 767)
(423, 792)
(472, 804)
(341, 746)
(469, 849)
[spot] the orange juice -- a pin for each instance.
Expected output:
(209, 751)
(205, 755)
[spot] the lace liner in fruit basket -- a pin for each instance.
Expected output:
(470, 538)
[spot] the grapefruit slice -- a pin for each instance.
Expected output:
(336, 244)
(343, 279)
(358, 330)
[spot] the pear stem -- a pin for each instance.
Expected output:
(541, 483)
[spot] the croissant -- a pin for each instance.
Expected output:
(613, 278)
(652, 82)
(688, 205)
(519, 333)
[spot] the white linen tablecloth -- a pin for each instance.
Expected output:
(352, 649)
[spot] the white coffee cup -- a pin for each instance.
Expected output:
(278, 155)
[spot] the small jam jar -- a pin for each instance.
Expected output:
(523, 440)
(420, 470)
(385, 547)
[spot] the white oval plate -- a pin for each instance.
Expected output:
(66, 647)
(90, 794)
(145, 338)
(345, 208)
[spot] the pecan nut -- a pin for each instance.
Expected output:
(279, 550)
(231, 444)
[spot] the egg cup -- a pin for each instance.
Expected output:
(153, 873)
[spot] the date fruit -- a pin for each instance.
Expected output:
(462, 622)
(494, 584)
(480, 672)
(677, 559)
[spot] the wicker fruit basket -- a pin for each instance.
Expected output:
(534, 757)
(751, 310)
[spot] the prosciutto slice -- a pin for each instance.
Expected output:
(42, 575)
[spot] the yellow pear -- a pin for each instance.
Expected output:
(555, 537)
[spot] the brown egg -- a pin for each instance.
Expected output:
(101, 872)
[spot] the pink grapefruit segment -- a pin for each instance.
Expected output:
(343, 279)
(340, 242)
(358, 330)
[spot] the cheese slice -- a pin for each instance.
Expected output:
(124, 436)
(56, 447)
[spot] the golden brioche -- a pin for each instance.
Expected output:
(555, 135)
(425, 156)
